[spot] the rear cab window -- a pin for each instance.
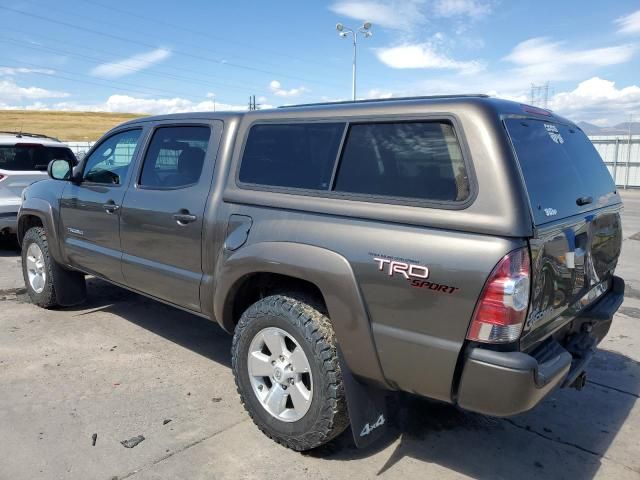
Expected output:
(559, 166)
(413, 160)
(32, 157)
(175, 157)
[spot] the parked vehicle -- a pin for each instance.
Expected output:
(23, 160)
(461, 248)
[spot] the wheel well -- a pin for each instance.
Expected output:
(27, 222)
(255, 286)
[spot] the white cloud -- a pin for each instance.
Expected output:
(12, 92)
(379, 93)
(153, 106)
(6, 71)
(276, 88)
(457, 8)
(541, 59)
(409, 14)
(211, 95)
(598, 101)
(130, 65)
(424, 55)
(391, 14)
(629, 24)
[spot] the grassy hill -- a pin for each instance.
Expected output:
(70, 126)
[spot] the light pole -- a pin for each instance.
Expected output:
(344, 32)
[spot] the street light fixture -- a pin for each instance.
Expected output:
(344, 32)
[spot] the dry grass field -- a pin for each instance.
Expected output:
(70, 126)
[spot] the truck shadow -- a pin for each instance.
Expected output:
(199, 335)
(567, 436)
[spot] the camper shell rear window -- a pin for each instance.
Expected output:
(560, 167)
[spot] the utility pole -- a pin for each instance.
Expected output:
(344, 32)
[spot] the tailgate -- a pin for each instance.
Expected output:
(13, 183)
(576, 214)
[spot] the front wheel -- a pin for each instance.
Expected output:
(36, 268)
(48, 283)
(286, 367)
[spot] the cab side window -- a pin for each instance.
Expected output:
(175, 157)
(110, 161)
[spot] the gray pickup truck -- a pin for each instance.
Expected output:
(461, 248)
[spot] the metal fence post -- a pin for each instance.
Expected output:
(615, 162)
(626, 176)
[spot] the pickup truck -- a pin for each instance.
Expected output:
(461, 248)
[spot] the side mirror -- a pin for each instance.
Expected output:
(60, 169)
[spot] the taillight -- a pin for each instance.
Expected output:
(502, 308)
(2, 177)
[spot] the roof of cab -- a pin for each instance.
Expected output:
(359, 107)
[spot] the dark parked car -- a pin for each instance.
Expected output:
(461, 248)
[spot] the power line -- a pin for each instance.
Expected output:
(105, 23)
(148, 45)
(204, 34)
(98, 60)
(109, 85)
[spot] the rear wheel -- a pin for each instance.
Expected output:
(286, 367)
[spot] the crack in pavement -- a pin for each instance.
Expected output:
(568, 444)
(186, 447)
(547, 437)
(619, 390)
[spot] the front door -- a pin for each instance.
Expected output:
(162, 213)
(90, 209)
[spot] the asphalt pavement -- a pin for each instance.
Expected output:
(75, 383)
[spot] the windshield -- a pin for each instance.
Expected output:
(562, 170)
(31, 157)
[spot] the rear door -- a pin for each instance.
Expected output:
(90, 209)
(162, 214)
(575, 209)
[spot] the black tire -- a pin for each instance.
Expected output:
(62, 287)
(327, 416)
(47, 297)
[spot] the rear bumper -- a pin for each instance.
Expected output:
(8, 222)
(507, 383)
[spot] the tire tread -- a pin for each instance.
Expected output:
(306, 316)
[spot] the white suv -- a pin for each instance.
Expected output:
(23, 160)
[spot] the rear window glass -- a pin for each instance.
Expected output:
(291, 155)
(175, 156)
(418, 160)
(31, 157)
(559, 165)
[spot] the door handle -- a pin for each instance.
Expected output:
(184, 217)
(111, 207)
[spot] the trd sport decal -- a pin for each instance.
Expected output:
(407, 269)
(436, 287)
(414, 273)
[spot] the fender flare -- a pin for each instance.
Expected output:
(44, 211)
(326, 269)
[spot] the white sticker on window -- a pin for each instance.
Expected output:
(553, 132)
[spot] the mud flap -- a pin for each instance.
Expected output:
(70, 287)
(367, 406)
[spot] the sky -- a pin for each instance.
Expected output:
(161, 56)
